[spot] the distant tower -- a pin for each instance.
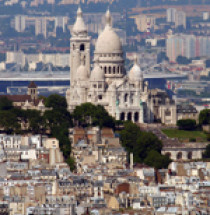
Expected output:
(79, 46)
(32, 90)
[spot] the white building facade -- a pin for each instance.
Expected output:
(125, 97)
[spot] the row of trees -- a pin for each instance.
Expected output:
(190, 124)
(57, 120)
(186, 124)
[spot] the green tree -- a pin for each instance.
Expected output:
(88, 114)
(140, 143)
(9, 122)
(204, 117)
(186, 124)
(61, 133)
(156, 160)
(206, 153)
(56, 102)
(5, 103)
(58, 121)
(129, 135)
(82, 114)
(146, 142)
(71, 162)
(36, 121)
(55, 118)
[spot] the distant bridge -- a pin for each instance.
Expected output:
(65, 76)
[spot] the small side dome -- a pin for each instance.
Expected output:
(82, 73)
(97, 74)
(79, 26)
(135, 73)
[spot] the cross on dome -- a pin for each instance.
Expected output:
(108, 18)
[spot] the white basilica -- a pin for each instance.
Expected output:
(125, 97)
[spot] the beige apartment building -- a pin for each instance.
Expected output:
(145, 22)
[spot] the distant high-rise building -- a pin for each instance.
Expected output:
(180, 19)
(41, 26)
(189, 46)
(145, 23)
(61, 21)
(20, 23)
(205, 16)
(170, 14)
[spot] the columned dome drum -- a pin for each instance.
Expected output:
(109, 51)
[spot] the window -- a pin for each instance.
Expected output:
(131, 99)
(82, 47)
(110, 70)
(126, 97)
(100, 97)
(168, 112)
(122, 116)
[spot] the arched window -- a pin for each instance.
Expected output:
(136, 117)
(129, 116)
(105, 71)
(189, 155)
(118, 69)
(113, 70)
(82, 47)
(131, 98)
(110, 70)
(122, 116)
(126, 97)
(179, 156)
(168, 154)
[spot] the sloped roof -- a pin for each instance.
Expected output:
(32, 85)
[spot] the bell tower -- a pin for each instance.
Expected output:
(32, 91)
(79, 47)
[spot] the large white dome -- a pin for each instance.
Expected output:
(97, 74)
(108, 41)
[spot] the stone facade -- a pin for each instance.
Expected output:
(125, 97)
(185, 152)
